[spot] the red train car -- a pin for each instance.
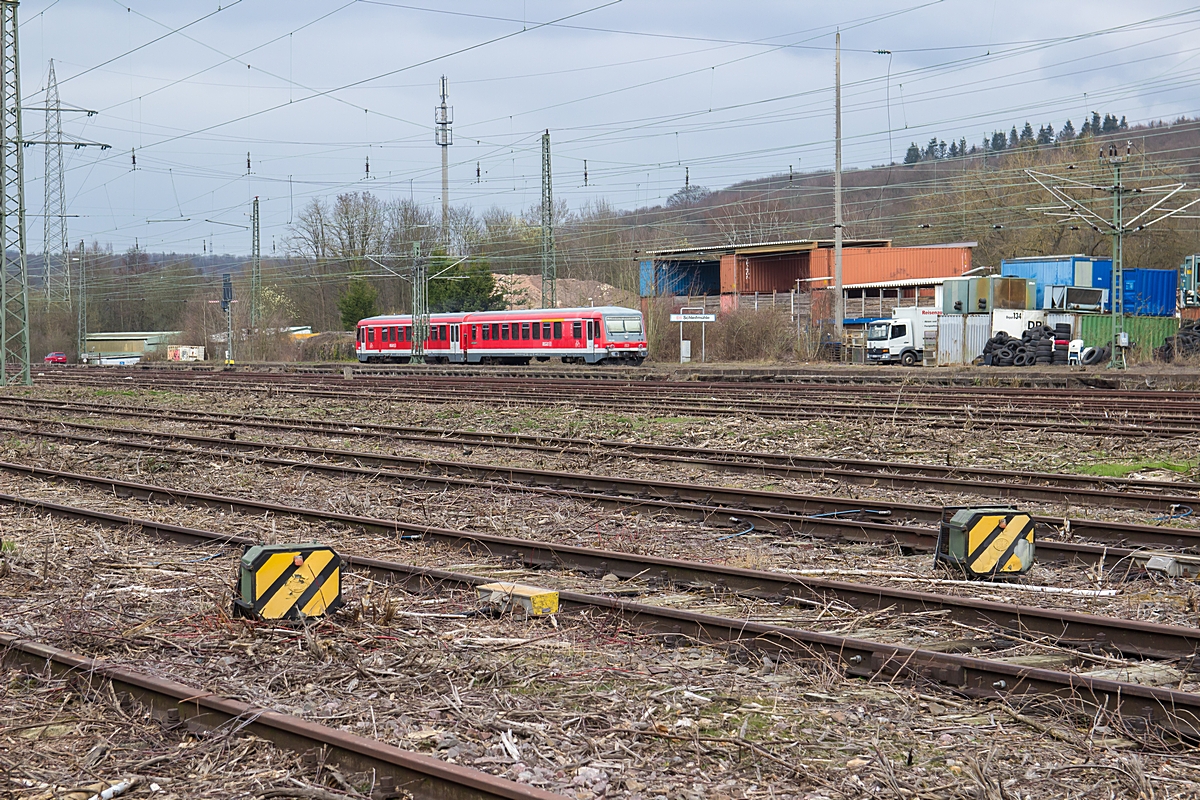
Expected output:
(607, 334)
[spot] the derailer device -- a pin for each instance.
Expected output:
(985, 542)
(289, 581)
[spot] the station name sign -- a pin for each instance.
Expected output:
(693, 318)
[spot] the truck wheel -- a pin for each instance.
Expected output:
(909, 359)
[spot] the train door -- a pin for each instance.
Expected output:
(590, 343)
(455, 344)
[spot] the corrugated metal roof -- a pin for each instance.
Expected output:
(893, 284)
(753, 248)
(113, 336)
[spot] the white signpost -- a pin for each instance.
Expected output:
(692, 315)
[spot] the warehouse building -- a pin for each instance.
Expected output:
(798, 275)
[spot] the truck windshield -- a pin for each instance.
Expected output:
(878, 331)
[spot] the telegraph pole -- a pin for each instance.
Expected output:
(839, 303)
(549, 266)
(255, 269)
(420, 315)
(443, 134)
(1117, 355)
(82, 324)
(14, 282)
(227, 307)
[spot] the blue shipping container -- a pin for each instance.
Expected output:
(646, 279)
(670, 278)
(1150, 292)
(1058, 271)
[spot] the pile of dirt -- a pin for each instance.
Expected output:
(525, 291)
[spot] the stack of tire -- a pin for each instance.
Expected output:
(1040, 345)
(1184, 343)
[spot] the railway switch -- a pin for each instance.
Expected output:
(505, 597)
(986, 542)
(289, 581)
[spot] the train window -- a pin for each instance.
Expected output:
(591, 330)
(371, 335)
(495, 330)
(487, 329)
(503, 330)
(536, 330)
(558, 330)
(443, 334)
(474, 333)
(577, 329)
(545, 330)
(524, 330)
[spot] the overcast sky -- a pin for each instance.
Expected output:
(640, 89)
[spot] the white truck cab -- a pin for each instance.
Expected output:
(904, 338)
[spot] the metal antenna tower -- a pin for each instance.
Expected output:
(1070, 208)
(255, 269)
(54, 242)
(14, 283)
(549, 267)
(443, 134)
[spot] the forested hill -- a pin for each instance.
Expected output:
(943, 195)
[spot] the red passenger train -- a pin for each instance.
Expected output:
(603, 335)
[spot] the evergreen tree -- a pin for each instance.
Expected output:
(999, 140)
(962, 146)
(1095, 124)
(467, 286)
(1123, 125)
(1067, 133)
(931, 149)
(357, 301)
(1027, 134)
(954, 149)
(1110, 124)
(1046, 135)
(942, 150)
(913, 155)
(1013, 140)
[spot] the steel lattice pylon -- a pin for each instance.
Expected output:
(14, 285)
(55, 254)
(549, 266)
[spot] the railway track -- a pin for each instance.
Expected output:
(1134, 639)
(816, 515)
(1133, 705)
(174, 703)
(1041, 486)
(1010, 416)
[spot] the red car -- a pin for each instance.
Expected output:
(55, 358)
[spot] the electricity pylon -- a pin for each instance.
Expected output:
(14, 283)
(549, 266)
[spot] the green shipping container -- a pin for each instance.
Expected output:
(1145, 333)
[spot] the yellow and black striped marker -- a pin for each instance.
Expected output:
(288, 581)
(986, 542)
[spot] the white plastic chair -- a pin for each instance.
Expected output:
(1074, 348)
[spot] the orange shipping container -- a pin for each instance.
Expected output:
(879, 264)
